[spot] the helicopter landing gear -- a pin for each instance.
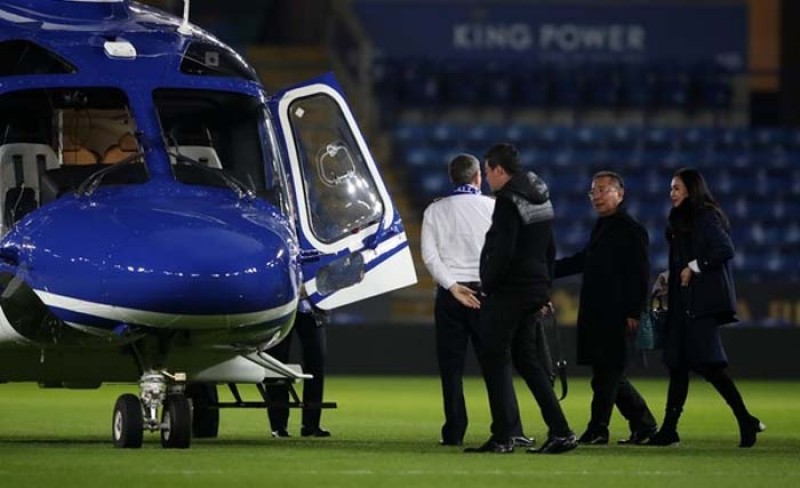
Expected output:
(133, 415)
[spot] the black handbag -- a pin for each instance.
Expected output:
(652, 324)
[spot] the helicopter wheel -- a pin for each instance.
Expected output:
(127, 424)
(176, 423)
(205, 420)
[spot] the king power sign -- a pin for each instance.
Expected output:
(514, 31)
(563, 38)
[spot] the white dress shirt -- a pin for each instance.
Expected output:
(453, 231)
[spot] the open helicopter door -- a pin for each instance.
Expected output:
(353, 245)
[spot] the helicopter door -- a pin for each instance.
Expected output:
(353, 245)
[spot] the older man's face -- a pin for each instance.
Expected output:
(606, 195)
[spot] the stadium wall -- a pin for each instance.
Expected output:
(754, 352)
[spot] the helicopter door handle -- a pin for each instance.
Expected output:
(309, 256)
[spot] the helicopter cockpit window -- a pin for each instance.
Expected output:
(54, 140)
(215, 139)
(342, 197)
(20, 57)
(203, 59)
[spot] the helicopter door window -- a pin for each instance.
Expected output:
(342, 197)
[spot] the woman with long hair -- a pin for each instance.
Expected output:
(701, 297)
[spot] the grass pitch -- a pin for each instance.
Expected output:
(385, 434)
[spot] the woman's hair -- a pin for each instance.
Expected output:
(699, 196)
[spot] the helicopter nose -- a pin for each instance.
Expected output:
(209, 270)
(201, 269)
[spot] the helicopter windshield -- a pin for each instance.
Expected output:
(216, 139)
(52, 140)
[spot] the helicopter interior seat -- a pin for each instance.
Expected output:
(125, 146)
(67, 179)
(59, 181)
(21, 164)
(76, 154)
(202, 154)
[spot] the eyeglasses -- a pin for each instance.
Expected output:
(601, 191)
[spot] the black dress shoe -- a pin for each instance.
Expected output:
(443, 442)
(314, 432)
(557, 445)
(522, 441)
(280, 433)
(638, 437)
(593, 438)
(748, 430)
(493, 446)
(664, 438)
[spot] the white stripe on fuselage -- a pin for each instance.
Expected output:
(165, 320)
(7, 333)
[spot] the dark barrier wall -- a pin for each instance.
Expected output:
(409, 350)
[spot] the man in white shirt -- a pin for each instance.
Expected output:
(453, 232)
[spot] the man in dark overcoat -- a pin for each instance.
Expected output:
(613, 294)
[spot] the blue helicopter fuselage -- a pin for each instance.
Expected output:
(163, 253)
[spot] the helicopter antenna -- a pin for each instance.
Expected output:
(184, 27)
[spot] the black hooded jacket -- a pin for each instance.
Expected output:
(519, 251)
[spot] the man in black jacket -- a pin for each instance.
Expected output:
(516, 269)
(614, 292)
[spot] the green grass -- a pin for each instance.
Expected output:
(385, 433)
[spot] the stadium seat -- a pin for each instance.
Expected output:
(604, 87)
(531, 86)
(520, 134)
(419, 84)
(462, 83)
(498, 87)
(637, 87)
(480, 136)
(414, 134)
(673, 87)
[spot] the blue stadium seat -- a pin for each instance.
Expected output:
(589, 138)
(411, 134)
(462, 84)
(768, 138)
(385, 75)
(697, 139)
(481, 136)
(714, 87)
(624, 138)
(498, 89)
(420, 156)
(447, 135)
(568, 87)
(638, 87)
(552, 137)
(571, 236)
(604, 86)
(659, 138)
(534, 159)
(419, 83)
(673, 87)
(520, 134)
(531, 86)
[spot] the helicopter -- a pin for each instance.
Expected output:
(163, 215)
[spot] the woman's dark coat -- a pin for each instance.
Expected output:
(615, 271)
(696, 312)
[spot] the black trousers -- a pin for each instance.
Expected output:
(313, 342)
(610, 387)
(510, 334)
(456, 326)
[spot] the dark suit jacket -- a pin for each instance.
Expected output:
(616, 271)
